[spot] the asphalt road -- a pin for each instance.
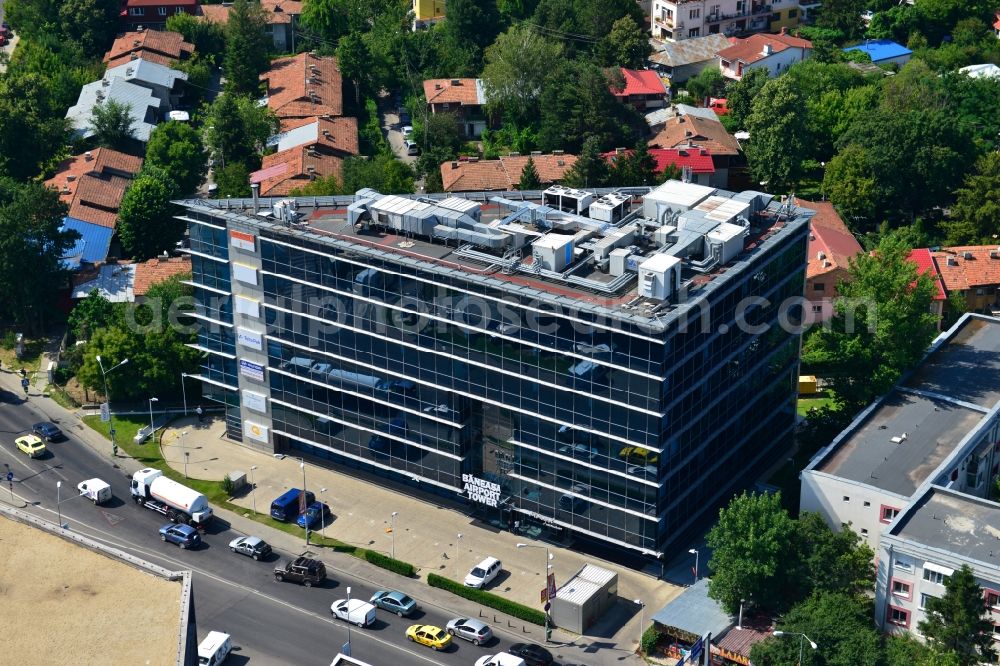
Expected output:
(270, 622)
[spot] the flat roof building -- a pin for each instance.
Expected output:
(584, 377)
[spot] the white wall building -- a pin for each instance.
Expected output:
(775, 53)
(677, 20)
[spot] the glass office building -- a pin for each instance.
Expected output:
(582, 368)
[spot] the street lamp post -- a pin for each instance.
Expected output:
(642, 621)
(694, 551)
(187, 456)
(392, 531)
(184, 376)
(253, 489)
(59, 502)
(802, 639)
(302, 466)
(152, 425)
(545, 581)
(322, 510)
(348, 620)
(107, 397)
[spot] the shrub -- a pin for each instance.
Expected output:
(386, 562)
(9, 340)
(488, 599)
(227, 485)
(650, 638)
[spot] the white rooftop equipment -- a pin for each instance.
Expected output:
(567, 199)
(659, 276)
(730, 237)
(553, 252)
(673, 197)
(610, 208)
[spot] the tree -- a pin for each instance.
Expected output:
(383, 173)
(146, 224)
(529, 177)
(321, 187)
(749, 550)
(959, 621)
(112, 124)
(246, 47)
(32, 127)
(843, 16)
(208, 37)
(32, 244)
(905, 650)
(92, 313)
(975, 217)
(840, 624)
(881, 327)
(627, 45)
(741, 94)
(31, 18)
(779, 138)
(238, 128)
(327, 19)
(634, 168)
(833, 561)
(469, 27)
(851, 186)
(517, 66)
(233, 180)
(90, 23)
(570, 19)
(176, 148)
(709, 82)
(590, 168)
(354, 59)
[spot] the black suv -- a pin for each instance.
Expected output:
(303, 570)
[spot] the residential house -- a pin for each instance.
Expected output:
(677, 20)
(660, 117)
(155, 271)
(925, 263)
(996, 24)
(982, 71)
(690, 132)
(463, 97)
(775, 53)
(938, 425)
(307, 148)
(972, 272)
(642, 88)
(143, 106)
(164, 82)
(137, 14)
(681, 60)
(942, 530)
(883, 52)
(695, 165)
(426, 13)
(504, 174)
(304, 86)
(113, 281)
(161, 47)
(831, 248)
(282, 20)
(328, 134)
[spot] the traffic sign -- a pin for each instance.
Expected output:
(24, 384)
(544, 595)
(10, 476)
(552, 586)
(105, 412)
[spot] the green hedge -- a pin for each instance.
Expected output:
(488, 599)
(386, 562)
(650, 638)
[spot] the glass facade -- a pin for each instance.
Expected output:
(626, 434)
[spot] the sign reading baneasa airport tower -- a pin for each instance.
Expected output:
(481, 490)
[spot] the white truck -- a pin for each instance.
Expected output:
(96, 490)
(177, 502)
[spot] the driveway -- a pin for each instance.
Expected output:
(393, 132)
(7, 48)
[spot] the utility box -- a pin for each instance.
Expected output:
(239, 480)
(553, 252)
(808, 385)
(659, 276)
(584, 599)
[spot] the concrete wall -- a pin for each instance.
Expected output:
(862, 508)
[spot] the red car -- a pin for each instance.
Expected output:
(718, 104)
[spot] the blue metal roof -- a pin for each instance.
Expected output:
(695, 612)
(91, 247)
(881, 49)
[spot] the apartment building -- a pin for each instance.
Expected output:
(676, 20)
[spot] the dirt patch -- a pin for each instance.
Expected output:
(70, 604)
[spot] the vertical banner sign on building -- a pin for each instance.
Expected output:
(552, 586)
(251, 370)
(250, 339)
(243, 241)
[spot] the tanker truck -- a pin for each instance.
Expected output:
(177, 502)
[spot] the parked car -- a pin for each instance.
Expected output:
(314, 515)
(404, 117)
(394, 602)
(533, 655)
(411, 147)
(304, 570)
(407, 131)
(475, 631)
(96, 490)
(429, 635)
(250, 546)
(183, 535)
(48, 431)
(483, 573)
(720, 105)
(355, 611)
(31, 445)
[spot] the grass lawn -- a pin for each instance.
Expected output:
(821, 399)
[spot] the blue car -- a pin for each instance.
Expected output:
(316, 515)
(184, 536)
(394, 602)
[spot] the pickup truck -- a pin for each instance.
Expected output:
(304, 570)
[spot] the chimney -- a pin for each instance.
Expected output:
(456, 82)
(133, 56)
(105, 83)
(619, 151)
(70, 178)
(766, 50)
(437, 86)
(135, 42)
(88, 156)
(454, 165)
(558, 152)
(688, 133)
(255, 190)
(784, 30)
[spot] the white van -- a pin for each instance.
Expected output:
(483, 573)
(95, 490)
(501, 659)
(355, 611)
(214, 649)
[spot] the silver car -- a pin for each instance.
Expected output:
(470, 629)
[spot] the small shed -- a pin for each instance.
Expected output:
(692, 615)
(586, 597)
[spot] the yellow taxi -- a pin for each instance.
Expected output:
(429, 635)
(639, 453)
(30, 444)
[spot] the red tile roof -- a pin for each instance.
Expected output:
(276, 11)
(640, 82)
(996, 23)
(162, 3)
(828, 234)
(925, 264)
(502, 174)
(978, 270)
(97, 199)
(751, 49)
(689, 130)
(215, 13)
(452, 91)
(290, 81)
(154, 271)
(160, 46)
(338, 134)
(287, 170)
(102, 161)
(698, 160)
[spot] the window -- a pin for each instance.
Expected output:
(162, 11)
(898, 616)
(792, 13)
(935, 577)
(819, 286)
(864, 531)
(179, 10)
(901, 588)
(694, 32)
(694, 13)
(996, 629)
(136, 11)
(725, 64)
(924, 598)
(992, 599)
(902, 566)
(867, 503)
(846, 498)
(775, 17)
(888, 513)
(817, 309)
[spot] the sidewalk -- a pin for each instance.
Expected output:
(432, 537)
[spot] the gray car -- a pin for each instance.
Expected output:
(470, 629)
